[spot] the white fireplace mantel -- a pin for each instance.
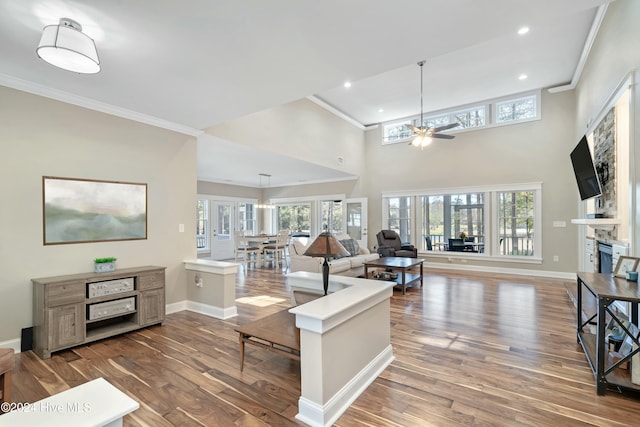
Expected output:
(602, 223)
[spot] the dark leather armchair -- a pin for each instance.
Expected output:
(389, 244)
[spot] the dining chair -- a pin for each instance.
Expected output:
(277, 249)
(456, 245)
(427, 239)
(251, 252)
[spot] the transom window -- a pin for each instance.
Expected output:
(516, 109)
(505, 111)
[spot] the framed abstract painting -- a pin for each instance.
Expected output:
(85, 210)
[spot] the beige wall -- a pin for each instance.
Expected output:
(615, 54)
(40, 136)
(537, 151)
(532, 152)
(301, 130)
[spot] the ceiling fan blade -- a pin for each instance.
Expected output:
(442, 136)
(446, 127)
(413, 128)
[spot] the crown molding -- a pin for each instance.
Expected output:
(586, 50)
(335, 111)
(69, 98)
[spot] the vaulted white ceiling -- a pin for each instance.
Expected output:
(191, 64)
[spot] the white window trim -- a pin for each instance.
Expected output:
(494, 109)
(490, 217)
(490, 114)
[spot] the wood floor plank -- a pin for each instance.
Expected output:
(471, 349)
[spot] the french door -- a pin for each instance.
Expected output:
(354, 217)
(222, 226)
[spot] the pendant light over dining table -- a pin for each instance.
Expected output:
(66, 46)
(264, 205)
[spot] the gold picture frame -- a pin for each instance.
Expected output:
(625, 263)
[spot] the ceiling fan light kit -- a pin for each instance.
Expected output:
(66, 46)
(423, 135)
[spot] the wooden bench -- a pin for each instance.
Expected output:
(95, 403)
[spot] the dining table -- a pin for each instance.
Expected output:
(261, 240)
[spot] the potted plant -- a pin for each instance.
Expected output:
(104, 265)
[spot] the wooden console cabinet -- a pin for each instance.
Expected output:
(61, 307)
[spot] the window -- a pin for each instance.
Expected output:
(472, 118)
(247, 218)
(202, 224)
(516, 223)
(223, 226)
(399, 216)
(505, 111)
(447, 216)
(496, 222)
(395, 132)
(332, 216)
(517, 109)
(294, 217)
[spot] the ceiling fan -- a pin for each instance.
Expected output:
(422, 135)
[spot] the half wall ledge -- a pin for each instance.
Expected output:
(211, 288)
(345, 342)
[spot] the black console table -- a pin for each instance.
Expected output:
(606, 290)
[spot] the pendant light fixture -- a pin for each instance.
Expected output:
(265, 205)
(67, 47)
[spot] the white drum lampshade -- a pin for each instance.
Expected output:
(67, 47)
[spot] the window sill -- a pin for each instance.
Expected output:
(481, 257)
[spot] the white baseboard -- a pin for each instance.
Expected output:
(211, 311)
(325, 415)
(176, 307)
(501, 270)
(14, 344)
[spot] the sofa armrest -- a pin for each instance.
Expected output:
(386, 251)
(305, 263)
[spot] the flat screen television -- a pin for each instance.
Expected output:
(585, 171)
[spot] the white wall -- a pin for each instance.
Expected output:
(43, 137)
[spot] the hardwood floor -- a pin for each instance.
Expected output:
(471, 350)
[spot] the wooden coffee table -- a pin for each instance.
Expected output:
(401, 265)
(276, 332)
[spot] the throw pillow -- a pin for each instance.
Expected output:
(299, 247)
(351, 246)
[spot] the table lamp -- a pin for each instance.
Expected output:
(326, 246)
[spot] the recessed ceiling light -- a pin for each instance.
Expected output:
(347, 84)
(522, 77)
(380, 110)
(523, 30)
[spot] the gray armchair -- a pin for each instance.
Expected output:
(389, 244)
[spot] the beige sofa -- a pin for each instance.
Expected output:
(347, 266)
